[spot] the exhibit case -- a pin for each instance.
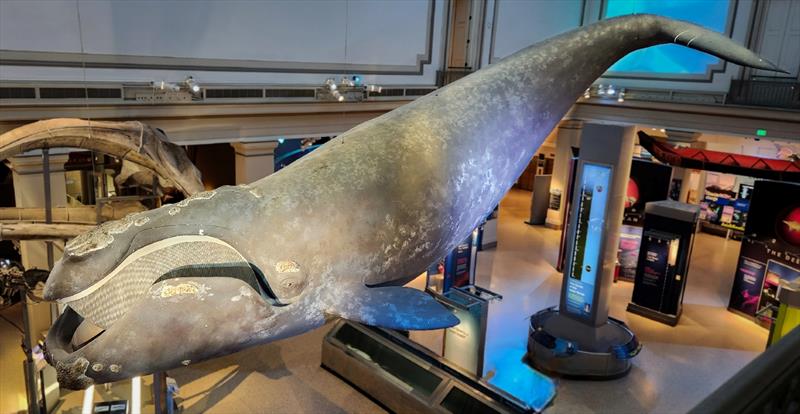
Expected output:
(404, 377)
(663, 264)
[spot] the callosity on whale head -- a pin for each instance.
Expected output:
(334, 233)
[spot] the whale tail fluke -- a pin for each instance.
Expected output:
(699, 38)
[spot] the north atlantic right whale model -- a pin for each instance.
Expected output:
(334, 234)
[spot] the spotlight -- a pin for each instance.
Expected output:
(663, 130)
(621, 96)
(601, 90)
(281, 140)
(331, 84)
(611, 91)
(192, 85)
(587, 93)
(340, 98)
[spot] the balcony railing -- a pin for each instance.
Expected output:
(771, 93)
(770, 384)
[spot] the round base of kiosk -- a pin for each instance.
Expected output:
(563, 346)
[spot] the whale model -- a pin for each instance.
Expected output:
(336, 233)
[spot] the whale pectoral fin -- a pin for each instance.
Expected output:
(395, 308)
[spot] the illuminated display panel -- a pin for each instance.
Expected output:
(671, 59)
(590, 218)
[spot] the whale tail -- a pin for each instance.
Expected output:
(664, 30)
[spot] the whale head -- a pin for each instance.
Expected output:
(170, 278)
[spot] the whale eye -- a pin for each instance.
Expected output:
(286, 280)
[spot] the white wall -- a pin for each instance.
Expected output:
(512, 25)
(390, 38)
(291, 42)
(749, 146)
(779, 39)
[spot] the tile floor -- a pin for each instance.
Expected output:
(675, 370)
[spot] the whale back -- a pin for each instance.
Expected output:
(410, 185)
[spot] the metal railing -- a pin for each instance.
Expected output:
(770, 384)
(771, 93)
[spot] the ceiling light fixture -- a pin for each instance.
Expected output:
(346, 89)
(192, 85)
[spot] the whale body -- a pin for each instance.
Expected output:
(336, 233)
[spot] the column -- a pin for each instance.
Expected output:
(690, 179)
(254, 160)
(608, 145)
(567, 137)
(29, 192)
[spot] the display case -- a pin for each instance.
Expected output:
(407, 378)
(663, 265)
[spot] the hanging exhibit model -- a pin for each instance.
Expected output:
(133, 142)
(337, 232)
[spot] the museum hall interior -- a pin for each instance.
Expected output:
(402, 206)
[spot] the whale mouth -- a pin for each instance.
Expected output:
(111, 298)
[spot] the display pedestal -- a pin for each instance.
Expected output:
(559, 344)
(663, 264)
(668, 319)
(580, 339)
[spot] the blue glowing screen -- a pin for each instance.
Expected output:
(590, 219)
(711, 14)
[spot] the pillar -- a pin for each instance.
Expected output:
(689, 186)
(254, 160)
(567, 136)
(608, 145)
(27, 173)
(29, 192)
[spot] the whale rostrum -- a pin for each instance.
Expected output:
(338, 232)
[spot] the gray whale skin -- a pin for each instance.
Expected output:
(338, 232)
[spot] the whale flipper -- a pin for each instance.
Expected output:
(395, 308)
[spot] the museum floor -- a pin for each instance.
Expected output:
(675, 370)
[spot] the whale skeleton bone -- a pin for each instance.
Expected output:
(130, 141)
(336, 233)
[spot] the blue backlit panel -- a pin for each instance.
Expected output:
(590, 219)
(671, 59)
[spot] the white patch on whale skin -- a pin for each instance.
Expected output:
(244, 292)
(180, 291)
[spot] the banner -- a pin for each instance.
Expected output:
(770, 249)
(590, 219)
(649, 181)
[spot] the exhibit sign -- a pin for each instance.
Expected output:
(649, 181)
(456, 269)
(589, 223)
(658, 258)
(630, 241)
(770, 249)
(463, 343)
